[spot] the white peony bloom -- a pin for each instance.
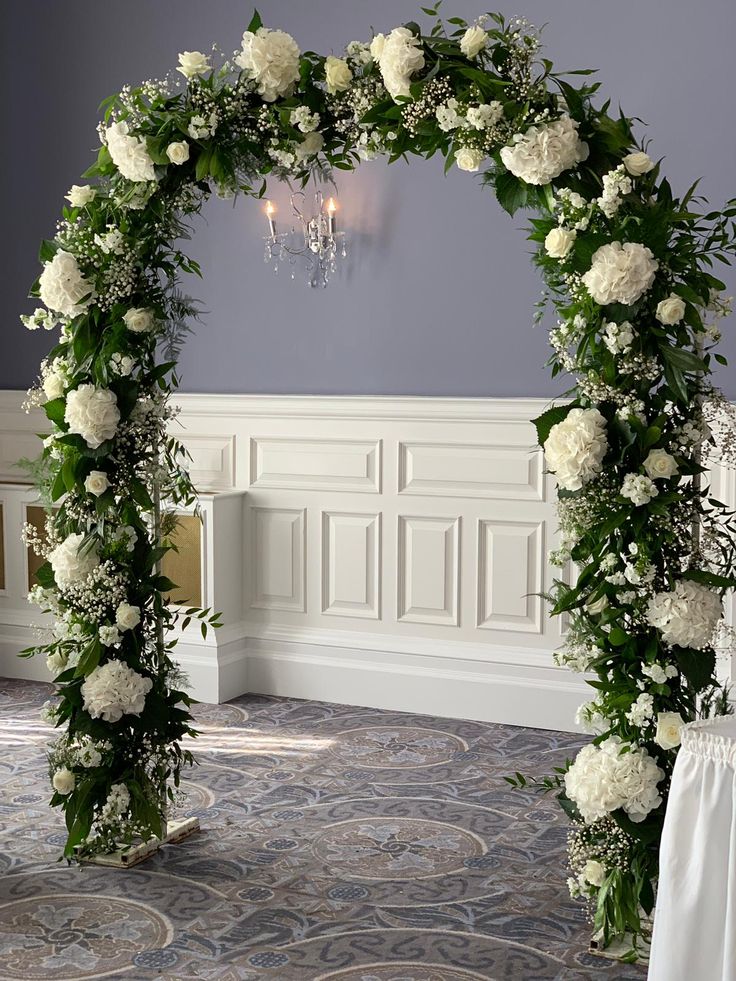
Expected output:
(63, 288)
(594, 873)
(129, 154)
(544, 152)
(71, 565)
(638, 164)
(559, 242)
(620, 273)
(659, 463)
(109, 636)
(80, 195)
(484, 116)
(271, 59)
(92, 413)
(671, 311)
(669, 730)
(193, 63)
(178, 152)
(399, 56)
(337, 75)
(473, 41)
(127, 617)
(114, 690)
(140, 320)
(63, 781)
(96, 482)
(638, 488)
(468, 158)
(604, 779)
(687, 615)
(575, 448)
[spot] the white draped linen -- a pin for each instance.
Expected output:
(695, 917)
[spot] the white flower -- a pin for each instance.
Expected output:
(359, 51)
(620, 273)
(337, 74)
(271, 59)
(116, 805)
(54, 384)
(39, 318)
(122, 364)
(484, 116)
(114, 690)
(575, 447)
(669, 730)
(193, 63)
(96, 482)
(658, 674)
(178, 152)
(604, 779)
(594, 873)
(638, 164)
(468, 158)
(448, 117)
(109, 636)
(618, 337)
(71, 565)
(63, 288)
(311, 144)
(638, 488)
(56, 662)
(615, 185)
(544, 152)
(112, 242)
(473, 41)
(63, 781)
(140, 320)
(127, 617)
(590, 718)
(641, 711)
(597, 607)
(659, 463)
(304, 119)
(129, 154)
(93, 413)
(80, 195)
(559, 242)
(399, 56)
(687, 615)
(672, 310)
(200, 128)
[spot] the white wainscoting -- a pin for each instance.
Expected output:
(384, 551)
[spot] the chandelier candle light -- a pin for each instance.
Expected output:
(317, 241)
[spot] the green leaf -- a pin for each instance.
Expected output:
(685, 360)
(55, 410)
(511, 193)
(696, 666)
(548, 419)
(255, 22)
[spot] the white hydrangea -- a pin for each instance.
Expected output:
(638, 488)
(687, 615)
(398, 56)
(604, 779)
(129, 153)
(271, 59)
(63, 288)
(92, 413)
(114, 690)
(544, 152)
(485, 115)
(69, 563)
(575, 448)
(620, 273)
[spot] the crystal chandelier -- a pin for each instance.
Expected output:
(312, 240)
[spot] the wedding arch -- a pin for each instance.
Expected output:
(627, 267)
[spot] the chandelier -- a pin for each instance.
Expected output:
(312, 241)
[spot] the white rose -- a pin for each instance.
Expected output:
(92, 413)
(597, 607)
(53, 385)
(311, 144)
(193, 63)
(638, 164)
(669, 730)
(468, 158)
(178, 153)
(659, 463)
(69, 564)
(271, 59)
(376, 46)
(672, 310)
(473, 41)
(80, 195)
(129, 154)
(575, 447)
(63, 288)
(127, 617)
(140, 320)
(400, 57)
(620, 273)
(96, 483)
(594, 872)
(559, 242)
(544, 152)
(56, 662)
(63, 781)
(337, 75)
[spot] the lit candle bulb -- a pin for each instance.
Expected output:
(331, 209)
(270, 212)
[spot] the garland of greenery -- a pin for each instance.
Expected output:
(627, 268)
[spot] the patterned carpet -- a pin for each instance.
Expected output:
(338, 843)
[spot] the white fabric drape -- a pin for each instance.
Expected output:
(695, 917)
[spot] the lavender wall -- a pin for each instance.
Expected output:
(437, 296)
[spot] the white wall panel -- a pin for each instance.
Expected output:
(471, 470)
(351, 564)
(510, 569)
(316, 464)
(277, 542)
(428, 569)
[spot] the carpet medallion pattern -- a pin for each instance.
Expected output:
(338, 843)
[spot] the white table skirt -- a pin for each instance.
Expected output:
(695, 918)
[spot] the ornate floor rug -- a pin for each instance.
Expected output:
(338, 843)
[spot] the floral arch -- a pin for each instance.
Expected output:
(627, 268)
